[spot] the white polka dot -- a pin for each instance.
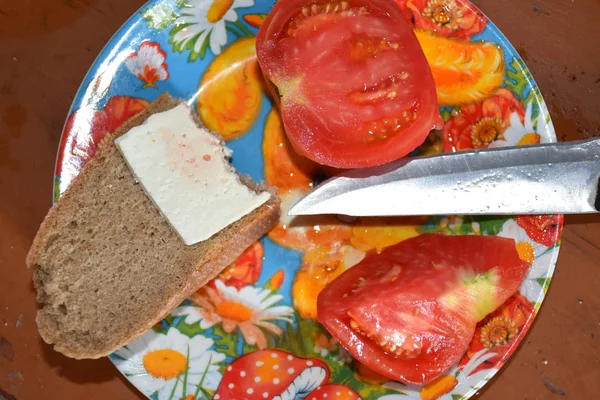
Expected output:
(217, 397)
(324, 394)
(274, 355)
(319, 388)
(265, 395)
(338, 394)
(229, 368)
(230, 386)
(259, 363)
(291, 370)
(242, 373)
(257, 379)
(290, 357)
(275, 366)
(276, 381)
(309, 363)
(250, 391)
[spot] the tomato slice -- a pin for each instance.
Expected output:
(352, 83)
(410, 312)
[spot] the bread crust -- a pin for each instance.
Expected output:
(59, 293)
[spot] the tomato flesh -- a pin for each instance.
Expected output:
(410, 312)
(351, 81)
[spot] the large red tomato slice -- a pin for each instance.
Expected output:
(353, 85)
(410, 312)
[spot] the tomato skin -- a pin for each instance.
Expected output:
(430, 291)
(353, 90)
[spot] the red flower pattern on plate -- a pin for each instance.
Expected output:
(500, 332)
(544, 229)
(245, 270)
(148, 64)
(455, 18)
(477, 125)
(86, 127)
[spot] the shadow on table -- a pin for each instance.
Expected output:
(85, 371)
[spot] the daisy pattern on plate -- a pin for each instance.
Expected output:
(540, 258)
(527, 248)
(148, 63)
(538, 277)
(172, 365)
(248, 309)
(192, 315)
(469, 382)
(343, 356)
(531, 131)
(323, 344)
(457, 382)
(204, 23)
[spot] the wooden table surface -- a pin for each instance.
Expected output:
(46, 47)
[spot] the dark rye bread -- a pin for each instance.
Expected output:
(107, 266)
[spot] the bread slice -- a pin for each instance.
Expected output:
(107, 266)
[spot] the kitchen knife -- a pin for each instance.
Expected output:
(554, 178)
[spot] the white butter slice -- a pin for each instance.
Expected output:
(184, 169)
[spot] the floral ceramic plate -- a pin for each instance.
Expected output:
(253, 329)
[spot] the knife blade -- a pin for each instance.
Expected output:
(554, 178)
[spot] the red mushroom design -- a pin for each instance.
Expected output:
(271, 374)
(333, 392)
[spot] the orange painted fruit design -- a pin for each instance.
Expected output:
(379, 233)
(320, 266)
(437, 388)
(293, 176)
(284, 168)
(464, 72)
(230, 93)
